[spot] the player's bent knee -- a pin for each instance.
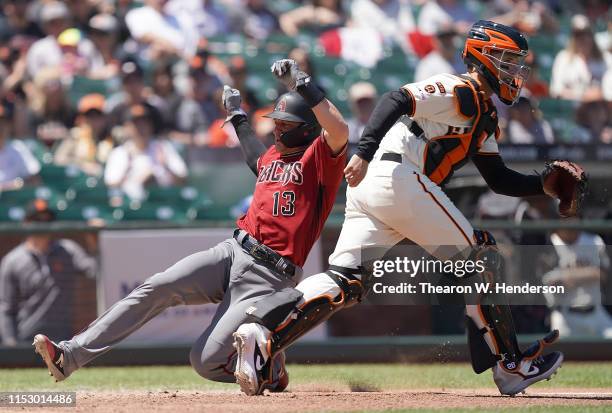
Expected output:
(211, 365)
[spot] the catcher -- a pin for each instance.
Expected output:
(415, 139)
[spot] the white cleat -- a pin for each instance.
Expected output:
(52, 355)
(250, 342)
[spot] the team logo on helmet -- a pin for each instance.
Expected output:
(281, 106)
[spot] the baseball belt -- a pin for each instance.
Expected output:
(270, 258)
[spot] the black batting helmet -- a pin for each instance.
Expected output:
(293, 108)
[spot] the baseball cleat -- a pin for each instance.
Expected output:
(253, 362)
(528, 372)
(282, 380)
(52, 355)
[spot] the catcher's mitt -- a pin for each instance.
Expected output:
(567, 182)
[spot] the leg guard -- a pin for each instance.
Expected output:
(491, 332)
(289, 317)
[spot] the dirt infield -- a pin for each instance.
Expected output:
(330, 401)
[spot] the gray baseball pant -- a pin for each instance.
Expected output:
(224, 274)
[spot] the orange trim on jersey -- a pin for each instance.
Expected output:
(459, 153)
(411, 96)
(443, 209)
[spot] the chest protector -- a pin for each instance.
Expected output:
(447, 153)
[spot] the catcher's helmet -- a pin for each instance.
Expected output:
(292, 107)
(498, 53)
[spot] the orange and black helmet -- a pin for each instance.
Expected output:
(498, 53)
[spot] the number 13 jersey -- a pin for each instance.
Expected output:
(294, 195)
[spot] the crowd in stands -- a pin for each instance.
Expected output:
(121, 89)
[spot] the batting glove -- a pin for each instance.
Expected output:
(231, 102)
(290, 75)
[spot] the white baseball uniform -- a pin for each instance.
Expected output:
(397, 201)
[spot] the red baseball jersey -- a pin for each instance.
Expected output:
(293, 197)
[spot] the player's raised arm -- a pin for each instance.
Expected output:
(335, 128)
(252, 148)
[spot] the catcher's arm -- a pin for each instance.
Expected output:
(505, 181)
(391, 106)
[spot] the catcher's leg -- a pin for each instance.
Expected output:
(280, 318)
(492, 336)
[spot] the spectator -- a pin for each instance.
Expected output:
(537, 87)
(439, 13)
(16, 19)
(443, 58)
(238, 73)
(47, 52)
(133, 92)
(13, 58)
(205, 84)
(581, 259)
(221, 134)
(89, 144)
(317, 15)
(578, 70)
(50, 114)
(530, 17)
(604, 38)
(18, 167)
(208, 19)
(169, 98)
(526, 124)
(254, 17)
(103, 30)
(362, 98)
(81, 11)
(160, 34)
(143, 159)
(37, 282)
(594, 117)
(72, 61)
(391, 18)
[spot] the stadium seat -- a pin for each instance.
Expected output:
(558, 108)
(62, 177)
(84, 212)
(181, 196)
(11, 213)
(24, 195)
(82, 86)
(155, 212)
(39, 150)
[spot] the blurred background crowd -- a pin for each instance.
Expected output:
(111, 109)
(122, 90)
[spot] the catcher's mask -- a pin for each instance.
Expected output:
(498, 53)
(292, 107)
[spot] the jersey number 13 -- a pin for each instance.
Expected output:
(284, 202)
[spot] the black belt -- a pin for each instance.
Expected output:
(389, 156)
(265, 254)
